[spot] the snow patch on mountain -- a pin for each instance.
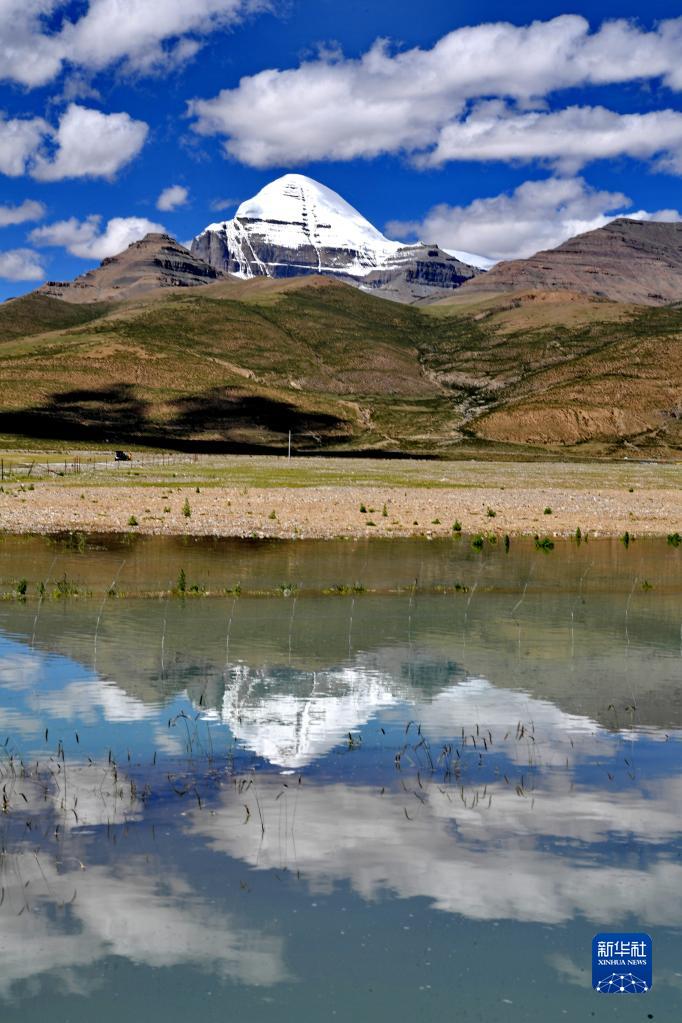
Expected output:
(472, 258)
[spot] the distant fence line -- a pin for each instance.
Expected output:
(79, 464)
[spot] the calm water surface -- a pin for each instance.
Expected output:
(381, 780)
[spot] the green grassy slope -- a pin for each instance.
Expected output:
(236, 365)
(35, 314)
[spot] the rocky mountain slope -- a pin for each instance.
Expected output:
(157, 261)
(625, 261)
(297, 226)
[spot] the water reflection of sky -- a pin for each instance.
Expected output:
(273, 823)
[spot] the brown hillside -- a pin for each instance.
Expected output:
(626, 261)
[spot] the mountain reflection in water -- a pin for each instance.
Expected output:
(187, 782)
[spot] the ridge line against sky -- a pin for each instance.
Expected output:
(495, 137)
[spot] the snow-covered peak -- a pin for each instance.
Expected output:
(295, 225)
(301, 202)
(297, 214)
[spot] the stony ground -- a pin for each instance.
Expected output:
(256, 498)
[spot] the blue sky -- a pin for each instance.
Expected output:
(498, 134)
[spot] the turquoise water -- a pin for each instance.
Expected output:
(386, 780)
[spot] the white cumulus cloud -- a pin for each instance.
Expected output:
(85, 143)
(390, 102)
(536, 215)
(141, 35)
(26, 211)
(21, 265)
(20, 139)
(90, 144)
(89, 240)
(567, 138)
(172, 197)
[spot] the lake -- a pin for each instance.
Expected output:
(331, 780)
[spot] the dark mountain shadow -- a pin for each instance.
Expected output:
(230, 422)
(105, 415)
(227, 413)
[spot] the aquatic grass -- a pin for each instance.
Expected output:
(543, 545)
(65, 588)
(344, 590)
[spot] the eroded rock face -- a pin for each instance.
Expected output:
(417, 274)
(157, 261)
(296, 226)
(625, 261)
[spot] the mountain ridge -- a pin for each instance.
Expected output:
(638, 261)
(154, 262)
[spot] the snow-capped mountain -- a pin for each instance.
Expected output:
(297, 226)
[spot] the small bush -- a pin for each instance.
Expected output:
(545, 544)
(507, 542)
(22, 587)
(477, 543)
(435, 522)
(272, 515)
(132, 521)
(384, 512)
(625, 539)
(578, 534)
(363, 509)
(457, 526)
(182, 581)
(674, 539)
(186, 510)
(547, 511)
(491, 513)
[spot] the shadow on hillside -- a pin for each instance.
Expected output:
(220, 421)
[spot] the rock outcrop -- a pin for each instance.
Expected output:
(157, 261)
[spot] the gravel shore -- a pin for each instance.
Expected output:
(337, 511)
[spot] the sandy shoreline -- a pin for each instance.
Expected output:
(335, 511)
